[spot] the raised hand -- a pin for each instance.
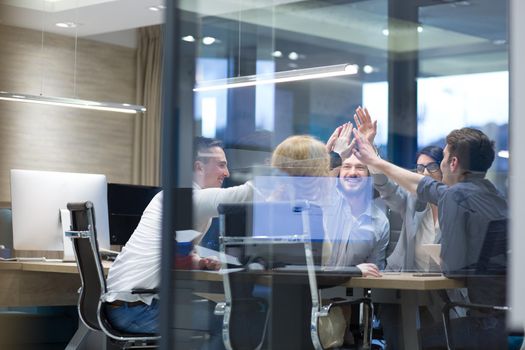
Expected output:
(364, 124)
(342, 144)
(331, 140)
(363, 149)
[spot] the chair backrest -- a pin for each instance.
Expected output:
(273, 219)
(85, 245)
(487, 279)
(6, 228)
(396, 223)
(493, 256)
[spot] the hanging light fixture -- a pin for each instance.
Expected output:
(70, 102)
(279, 77)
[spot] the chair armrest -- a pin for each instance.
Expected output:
(326, 308)
(451, 305)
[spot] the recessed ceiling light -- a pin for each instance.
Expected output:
(368, 69)
(188, 38)
(503, 153)
(293, 55)
(153, 8)
(420, 29)
(499, 42)
(385, 32)
(277, 54)
(208, 40)
(66, 24)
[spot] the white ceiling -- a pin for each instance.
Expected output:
(94, 17)
(112, 21)
(352, 22)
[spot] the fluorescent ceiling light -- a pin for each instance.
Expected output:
(293, 55)
(66, 24)
(188, 38)
(74, 103)
(208, 40)
(279, 77)
(503, 154)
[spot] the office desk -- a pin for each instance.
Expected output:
(399, 288)
(56, 283)
(39, 283)
(404, 288)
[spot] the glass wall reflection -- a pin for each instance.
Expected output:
(289, 161)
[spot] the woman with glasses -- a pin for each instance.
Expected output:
(420, 219)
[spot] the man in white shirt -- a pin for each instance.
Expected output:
(138, 265)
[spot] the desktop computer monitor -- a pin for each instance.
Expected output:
(126, 203)
(37, 198)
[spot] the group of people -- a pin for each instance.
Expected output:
(446, 201)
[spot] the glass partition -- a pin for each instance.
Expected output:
(265, 85)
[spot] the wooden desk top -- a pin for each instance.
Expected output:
(402, 280)
(45, 266)
(405, 281)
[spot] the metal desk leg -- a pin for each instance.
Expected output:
(410, 320)
(79, 336)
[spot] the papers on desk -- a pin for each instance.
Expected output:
(187, 235)
(207, 253)
(224, 271)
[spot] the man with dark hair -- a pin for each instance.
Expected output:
(138, 265)
(467, 203)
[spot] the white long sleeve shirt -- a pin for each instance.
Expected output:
(138, 265)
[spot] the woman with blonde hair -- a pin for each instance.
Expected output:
(301, 155)
(305, 162)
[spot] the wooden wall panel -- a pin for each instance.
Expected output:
(58, 138)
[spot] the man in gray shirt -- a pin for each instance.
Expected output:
(467, 203)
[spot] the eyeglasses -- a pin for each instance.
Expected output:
(431, 167)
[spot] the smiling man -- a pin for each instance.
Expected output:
(210, 167)
(138, 265)
(358, 230)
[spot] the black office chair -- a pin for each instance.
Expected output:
(274, 234)
(93, 291)
(485, 280)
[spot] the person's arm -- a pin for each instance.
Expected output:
(365, 152)
(206, 201)
(394, 196)
(378, 255)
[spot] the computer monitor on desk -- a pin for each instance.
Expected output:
(37, 197)
(126, 203)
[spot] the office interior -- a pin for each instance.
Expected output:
(421, 67)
